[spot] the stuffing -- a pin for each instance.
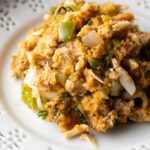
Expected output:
(87, 66)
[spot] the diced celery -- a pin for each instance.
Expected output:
(73, 7)
(65, 31)
(65, 97)
(27, 97)
(116, 42)
(94, 63)
(53, 9)
(61, 78)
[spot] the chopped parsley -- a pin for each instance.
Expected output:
(116, 42)
(38, 65)
(82, 119)
(90, 22)
(64, 97)
(42, 113)
(67, 111)
(16, 76)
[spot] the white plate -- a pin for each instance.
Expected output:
(19, 127)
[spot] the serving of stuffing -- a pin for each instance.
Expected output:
(87, 66)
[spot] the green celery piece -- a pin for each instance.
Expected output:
(64, 97)
(73, 7)
(94, 63)
(109, 57)
(61, 78)
(65, 31)
(53, 9)
(116, 42)
(27, 97)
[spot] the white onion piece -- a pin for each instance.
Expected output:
(70, 2)
(121, 25)
(116, 88)
(35, 93)
(30, 77)
(30, 58)
(96, 77)
(91, 39)
(49, 94)
(133, 63)
(38, 32)
(124, 78)
(123, 7)
(126, 81)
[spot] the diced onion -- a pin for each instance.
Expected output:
(30, 58)
(47, 93)
(124, 78)
(96, 77)
(68, 2)
(30, 77)
(91, 39)
(127, 82)
(38, 32)
(36, 94)
(116, 88)
(121, 25)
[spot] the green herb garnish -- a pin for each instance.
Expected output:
(70, 76)
(90, 22)
(42, 113)
(82, 119)
(38, 65)
(16, 76)
(67, 111)
(116, 42)
(65, 97)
